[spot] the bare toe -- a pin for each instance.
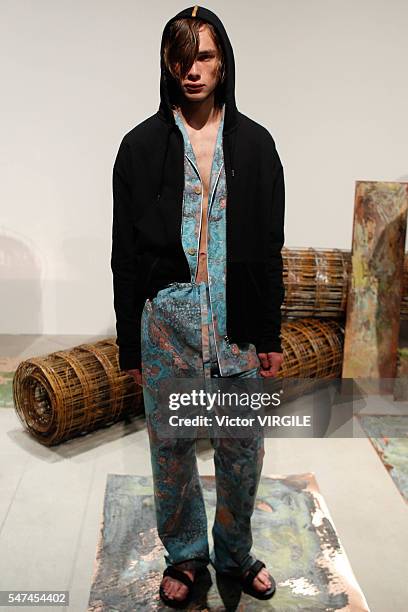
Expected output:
(181, 591)
(175, 589)
(261, 581)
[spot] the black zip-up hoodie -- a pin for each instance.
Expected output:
(148, 185)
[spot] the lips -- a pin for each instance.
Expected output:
(194, 87)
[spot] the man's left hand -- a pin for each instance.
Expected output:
(270, 363)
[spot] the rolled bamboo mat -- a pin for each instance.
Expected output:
(312, 348)
(316, 282)
(73, 392)
(312, 355)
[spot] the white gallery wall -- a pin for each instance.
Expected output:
(326, 77)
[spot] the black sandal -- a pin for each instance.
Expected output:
(247, 580)
(179, 575)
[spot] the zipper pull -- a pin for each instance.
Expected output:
(233, 172)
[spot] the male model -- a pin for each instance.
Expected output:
(198, 229)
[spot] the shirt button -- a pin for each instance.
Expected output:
(191, 251)
(197, 189)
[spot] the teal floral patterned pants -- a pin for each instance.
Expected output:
(178, 496)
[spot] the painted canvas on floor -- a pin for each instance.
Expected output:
(389, 436)
(293, 534)
(8, 366)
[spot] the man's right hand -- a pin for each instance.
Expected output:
(137, 375)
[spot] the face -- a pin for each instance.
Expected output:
(202, 78)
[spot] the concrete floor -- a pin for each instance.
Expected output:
(51, 499)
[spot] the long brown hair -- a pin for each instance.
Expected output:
(180, 48)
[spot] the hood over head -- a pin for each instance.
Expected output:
(227, 88)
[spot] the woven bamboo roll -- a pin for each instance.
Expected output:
(312, 348)
(73, 392)
(312, 353)
(316, 282)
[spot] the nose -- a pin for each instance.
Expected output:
(194, 73)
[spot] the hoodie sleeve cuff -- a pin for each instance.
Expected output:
(129, 359)
(269, 346)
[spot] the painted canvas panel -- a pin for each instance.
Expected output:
(401, 381)
(374, 297)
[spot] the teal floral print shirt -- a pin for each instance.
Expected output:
(173, 323)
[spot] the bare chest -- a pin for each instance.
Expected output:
(203, 143)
